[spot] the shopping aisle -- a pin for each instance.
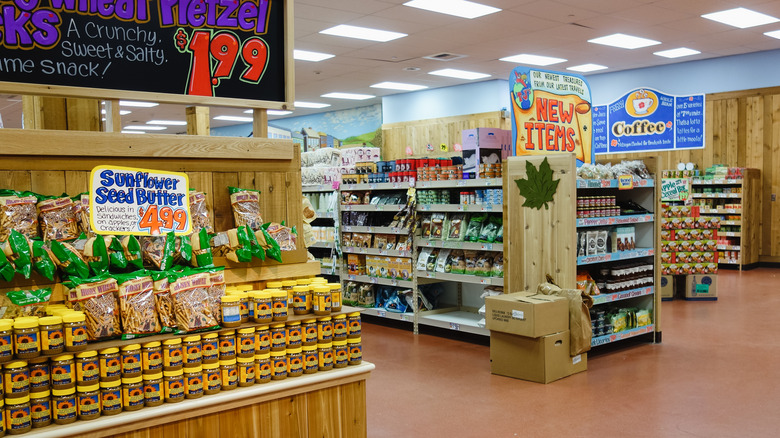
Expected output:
(714, 375)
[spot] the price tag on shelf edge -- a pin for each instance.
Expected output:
(142, 202)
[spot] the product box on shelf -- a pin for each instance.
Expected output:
(484, 146)
(667, 286)
(701, 287)
(356, 264)
(544, 359)
(527, 314)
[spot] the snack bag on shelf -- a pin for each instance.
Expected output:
(132, 249)
(69, 259)
(57, 218)
(474, 227)
(163, 301)
(96, 298)
(246, 207)
(81, 209)
(18, 212)
(216, 290)
(190, 292)
(18, 250)
(490, 229)
(6, 268)
(137, 304)
(199, 212)
(158, 251)
(283, 235)
(95, 253)
(16, 303)
(42, 260)
(182, 251)
(201, 251)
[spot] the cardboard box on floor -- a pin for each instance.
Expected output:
(701, 287)
(667, 286)
(544, 359)
(527, 314)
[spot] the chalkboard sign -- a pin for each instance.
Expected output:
(222, 52)
(646, 120)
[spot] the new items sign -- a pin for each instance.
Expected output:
(648, 120)
(221, 49)
(125, 200)
(551, 112)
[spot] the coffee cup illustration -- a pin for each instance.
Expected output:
(641, 106)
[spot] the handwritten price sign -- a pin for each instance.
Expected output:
(124, 200)
(215, 55)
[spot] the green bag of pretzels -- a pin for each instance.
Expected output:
(42, 262)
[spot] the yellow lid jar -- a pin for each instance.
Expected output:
(173, 356)
(301, 300)
(193, 353)
(151, 357)
(263, 367)
(111, 397)
(246, 371)
(340, 331)
(153, 389)
(229, 373)
(231, 310)
(6, 341)
(245, 340)
(263, 303)
(335, 297)
(52, 335)
(131, 360)
(320, 302)
(173, 386)
(209, 348)
(310, 359)
(110, 364)
(340, 354)
(279, 305)
(27, 340)
(193, 382)
(227, 345)
(279, 365)
(212, 378)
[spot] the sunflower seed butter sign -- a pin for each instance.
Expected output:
(649, 120)
(215, 48)
(551, 112)
(125, 200)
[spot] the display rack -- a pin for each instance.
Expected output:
(737, 202)
(325, 251)
(545, 241)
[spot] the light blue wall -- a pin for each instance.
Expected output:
(473, 98)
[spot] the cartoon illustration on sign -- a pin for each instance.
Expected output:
(642, 103)
(551, 113)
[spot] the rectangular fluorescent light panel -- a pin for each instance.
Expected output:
(363, 33)
(137, 104)
(167, 122)
(278, 112)
(585, 68)
(458, 8)
(773, 34)
(350, 96)
(305, 55)
(741, 18)
(133, 132)
(533, 59)
(459, 74)
(233, 118)
(146, 127)
(677, 53)
(624, 41)
(311, 105)
(399, 86)
(121, 112)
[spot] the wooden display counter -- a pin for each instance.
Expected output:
(327, 404)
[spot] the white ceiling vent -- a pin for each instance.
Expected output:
(444, 56)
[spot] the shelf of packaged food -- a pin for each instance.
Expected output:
(457, 320)
(614, 220)
(376, 186)
(373, 207)
(382, 313)
(325, 214)
(729, 234)
(729, 247)
(376, 251)
(623, 295)
(610, 183)
(450, 184)
(459, 244)
(720, 211)
(314, 188)
(727, 222)
(460, 207)
(614, 337)
(614, 256)
(99, 345)
(729, 262)
(716, 195)
(222, 403)
(713, 182)
(463, 278)
(377, 230)
(326, 245)
(379, 280)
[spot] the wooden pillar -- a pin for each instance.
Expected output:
(260, 122)
(198, 120)
(83, 114)
(113, 121)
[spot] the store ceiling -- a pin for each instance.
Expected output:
(557, 28)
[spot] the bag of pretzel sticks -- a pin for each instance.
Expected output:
(42, 260)
(57, 218)
(216, 290)
(69, 259)
(201, 251)
(96, 298)
(246, 207)
(18, 212)
(18, 250)
(199, 211)
(190, 292)
(158, 251)
(137, 304)
(132, 249)
(81, 209)
(163, 301)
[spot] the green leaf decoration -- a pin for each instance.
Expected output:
(539, 187)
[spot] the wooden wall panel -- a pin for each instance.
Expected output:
(353, 402)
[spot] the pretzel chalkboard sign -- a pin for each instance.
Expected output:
(230, 52)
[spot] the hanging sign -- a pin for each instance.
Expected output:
(675, 189)
(625, 182)
(217, 49)
(646, 120)
(551, 113)
(125, 200)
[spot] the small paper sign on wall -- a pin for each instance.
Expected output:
(125, 200)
